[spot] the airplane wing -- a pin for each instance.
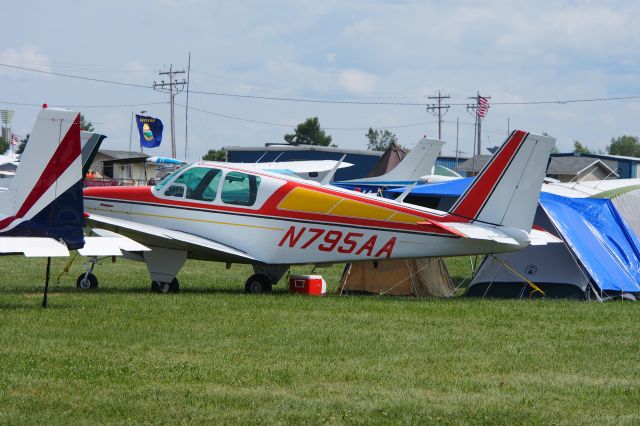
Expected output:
(109, 243)
(199, 247)
(540, 237)
(299, 166)
(33, 247)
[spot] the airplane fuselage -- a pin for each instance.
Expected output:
(286, 221)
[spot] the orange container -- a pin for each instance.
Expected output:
(307, 284)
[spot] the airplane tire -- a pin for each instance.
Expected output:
(164, 287)
(87, 281)
(257, 283)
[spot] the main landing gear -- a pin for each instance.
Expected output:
(258, 283)
(87, 280)
(264, 277)
(165, 287)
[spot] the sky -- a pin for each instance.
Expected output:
(386, 56)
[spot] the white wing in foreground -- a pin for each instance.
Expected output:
(202, 248)
(33, 246)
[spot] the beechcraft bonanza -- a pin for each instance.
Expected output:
(41, 212)
(214, 211)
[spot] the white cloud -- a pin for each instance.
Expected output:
(357, 82)
(28, 57)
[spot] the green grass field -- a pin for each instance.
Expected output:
(212, 354)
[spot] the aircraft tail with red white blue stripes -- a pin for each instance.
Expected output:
(45, 196)
(506, 191)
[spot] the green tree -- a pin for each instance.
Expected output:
(624, 145)
(309, 132)
(4, 146)
(215, 155)
(23, 144)
(380, 140)
(580, 149)
(86, 125)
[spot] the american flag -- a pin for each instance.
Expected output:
(15, 139)
(483, 106)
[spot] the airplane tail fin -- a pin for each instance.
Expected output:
(507, 190)
(418, 162)
(90, 144)
(45, 196)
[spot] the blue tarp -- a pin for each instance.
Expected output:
(603, 242)
(443, 189)
(593, 229)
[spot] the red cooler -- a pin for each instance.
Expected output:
(307, 284)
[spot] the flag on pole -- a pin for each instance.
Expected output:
(15, 139)
(483, 106)
(150, 130)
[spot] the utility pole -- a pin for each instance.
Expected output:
(437, 110)
(172, 87)
(479, 110)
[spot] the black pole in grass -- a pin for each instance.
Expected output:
(46, 283)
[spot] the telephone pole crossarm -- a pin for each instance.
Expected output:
(172, 87)
(439, 110)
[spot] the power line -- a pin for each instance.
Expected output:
(84, 106)
(329, 101)
(99, 80)
(290, 126)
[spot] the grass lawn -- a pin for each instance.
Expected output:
(212, 354)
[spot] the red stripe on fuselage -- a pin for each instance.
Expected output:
(472, 202)
(269, 208)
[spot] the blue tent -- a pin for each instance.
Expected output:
(603, 242)
(592, 229)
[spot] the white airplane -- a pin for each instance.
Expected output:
(316, 170)
(414, 167)
(214, 211)
(41, 212)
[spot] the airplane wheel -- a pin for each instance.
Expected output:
(164, 287)
(87, 281)
(256, 284)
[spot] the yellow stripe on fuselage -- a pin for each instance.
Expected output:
(309, 201)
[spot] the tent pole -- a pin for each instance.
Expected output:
(46, 283)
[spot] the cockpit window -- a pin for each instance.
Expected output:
(240, 189)
(196, 183)
(167, 178)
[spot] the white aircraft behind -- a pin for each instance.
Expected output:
(411, 169)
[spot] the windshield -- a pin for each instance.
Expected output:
(167, 178)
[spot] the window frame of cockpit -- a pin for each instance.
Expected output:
(267, 186)
(166, 186)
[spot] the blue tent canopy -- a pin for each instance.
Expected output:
(602, 241)
(592, 228)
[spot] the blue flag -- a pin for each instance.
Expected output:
(150, 130)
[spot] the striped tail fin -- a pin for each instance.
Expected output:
(45, 196)
(507, 190)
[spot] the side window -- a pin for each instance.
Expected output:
(240, 189)
(210, 185)
(196, 183)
